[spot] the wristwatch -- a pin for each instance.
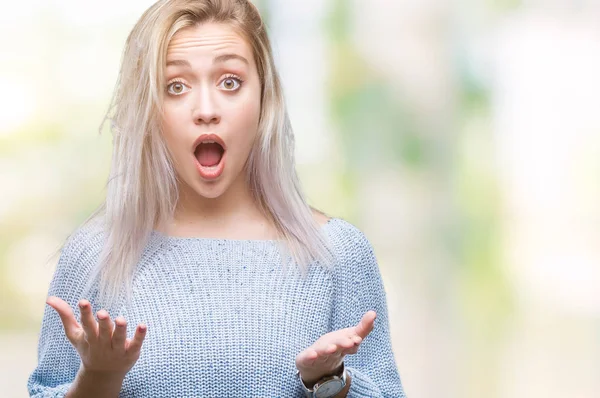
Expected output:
(327, 387)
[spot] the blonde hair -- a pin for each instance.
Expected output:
(142, 190)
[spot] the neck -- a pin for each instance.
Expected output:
(233, 214)
(193, 207)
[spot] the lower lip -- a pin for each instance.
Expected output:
(213, 172)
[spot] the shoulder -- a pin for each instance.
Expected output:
(85, 240)
(320, 217)
(78, 256)
(345, 233)
(342, 234)
(350, 245)
(355, 268)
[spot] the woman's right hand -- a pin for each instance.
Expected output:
(102, 350)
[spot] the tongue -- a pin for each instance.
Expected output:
(209, 154)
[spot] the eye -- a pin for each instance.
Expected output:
(176, 88)
(231, 83)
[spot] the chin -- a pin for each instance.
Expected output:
(212, 190)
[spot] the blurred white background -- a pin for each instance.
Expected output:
(462, 137)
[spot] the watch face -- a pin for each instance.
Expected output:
(329, 389)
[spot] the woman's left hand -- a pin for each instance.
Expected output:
(326, 355)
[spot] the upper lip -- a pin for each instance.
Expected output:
(209, 137)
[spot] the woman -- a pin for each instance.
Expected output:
(205, 251)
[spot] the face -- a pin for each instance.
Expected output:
(211, 109)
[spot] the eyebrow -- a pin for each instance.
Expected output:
(218, 59)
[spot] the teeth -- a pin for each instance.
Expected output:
(208, 142)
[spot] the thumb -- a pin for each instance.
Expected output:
(366, 324)
(66, 315)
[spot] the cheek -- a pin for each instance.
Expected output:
(171, 124)
(245, 119)
(173, 141)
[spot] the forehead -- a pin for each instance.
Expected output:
(208, 40)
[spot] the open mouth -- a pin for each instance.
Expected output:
(210, 156)
(209, 153)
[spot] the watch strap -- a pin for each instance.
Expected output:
(310, 392)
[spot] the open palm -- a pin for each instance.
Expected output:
(326, 354)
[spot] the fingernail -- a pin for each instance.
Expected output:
(142, 328)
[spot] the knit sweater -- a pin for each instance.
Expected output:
(223, 318)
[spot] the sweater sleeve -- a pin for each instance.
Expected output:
(58, 361)
(358, 289)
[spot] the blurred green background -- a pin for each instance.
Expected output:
(462, 137)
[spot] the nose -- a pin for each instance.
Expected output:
(206, 108)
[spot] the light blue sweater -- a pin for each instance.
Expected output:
(223, 321)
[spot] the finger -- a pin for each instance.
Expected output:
(308, 357)
(105, 327)
(345, 342)
(135, 344)
(66, 316)
(119, 335)
(366, 324)
(355, 343)
(324, 350)
(352, 350)
(326, 344)
(90, 326)
(331, 348)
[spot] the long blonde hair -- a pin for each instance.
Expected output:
(142, 187)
